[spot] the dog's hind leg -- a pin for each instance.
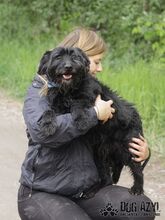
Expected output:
(136, 170)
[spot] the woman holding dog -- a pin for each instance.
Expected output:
(58, 169)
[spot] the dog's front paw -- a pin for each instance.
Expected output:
(47, 123)
(136, 190)
(81, 119)
(82, 124)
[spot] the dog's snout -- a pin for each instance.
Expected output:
(68, 66)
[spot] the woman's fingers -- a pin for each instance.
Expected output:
(135, 146)
(137, 159)
(112, 110)
(139, 148)
(138, 141)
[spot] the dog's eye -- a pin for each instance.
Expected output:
(58, 57)
(78, 58)
(74, 57)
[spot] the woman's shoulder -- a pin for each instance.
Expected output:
(37, 82)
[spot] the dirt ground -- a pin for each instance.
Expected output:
(13, 146)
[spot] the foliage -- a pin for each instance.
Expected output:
(128, 26)
(10, 21)
(149, 33)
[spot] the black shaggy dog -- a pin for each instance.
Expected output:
(72, 89)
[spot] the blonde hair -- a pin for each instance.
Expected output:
(87, 40)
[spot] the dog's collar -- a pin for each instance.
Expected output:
(53, 85)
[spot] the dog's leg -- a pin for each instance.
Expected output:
(136, 170)
(47, 123)
(80, 114)
(106, 178)
(116, 170)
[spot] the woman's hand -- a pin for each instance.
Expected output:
(103, 109)
(139, 148)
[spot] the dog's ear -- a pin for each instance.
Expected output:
(44, 62)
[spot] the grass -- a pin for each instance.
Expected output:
(141, 83)
(19, 62)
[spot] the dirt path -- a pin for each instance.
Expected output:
(13, 146)
(12, 150)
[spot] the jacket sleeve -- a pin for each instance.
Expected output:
(34, 107)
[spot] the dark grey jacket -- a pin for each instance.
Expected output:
(61, 163)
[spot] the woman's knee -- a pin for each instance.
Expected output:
(117, 201)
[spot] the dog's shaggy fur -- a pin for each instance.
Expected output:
(71, 89)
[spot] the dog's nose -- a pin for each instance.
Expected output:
(68, 66)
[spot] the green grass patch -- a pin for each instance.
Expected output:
(19, 63)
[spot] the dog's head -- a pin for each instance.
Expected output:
(64, 67)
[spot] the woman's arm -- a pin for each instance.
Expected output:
(35, 106)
